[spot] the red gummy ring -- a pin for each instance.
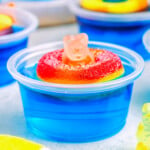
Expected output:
(107, 66)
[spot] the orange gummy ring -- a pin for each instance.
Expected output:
(76, 63)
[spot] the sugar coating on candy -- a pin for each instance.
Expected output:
(107, 66)
(6, 23)
(143, 132)
(78, 64)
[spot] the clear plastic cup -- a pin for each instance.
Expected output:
(123, 29)
(74, 113)
(146, 40)
(24, 24)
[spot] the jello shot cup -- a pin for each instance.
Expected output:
(146, 40)
(74, 112)
(24, 23)
(122, 29)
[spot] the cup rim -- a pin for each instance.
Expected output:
(29, 4)
(24, 33)
(76, 88)
(146, 38)
(100, 16)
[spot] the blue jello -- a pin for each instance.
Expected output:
(126, 30)
(6, 50)
(24, 24)
(74, 113)
(88, 111)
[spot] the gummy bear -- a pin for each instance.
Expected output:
(76, 49)
(143, 132)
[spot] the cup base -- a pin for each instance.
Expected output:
(71, 139)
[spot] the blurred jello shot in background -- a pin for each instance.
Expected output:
(48, 12)
(143, 132)
(76, 90)
(122, 22)
(15, 27)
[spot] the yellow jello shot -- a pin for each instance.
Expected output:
(6, 23)
(143, 132)
(115, 6)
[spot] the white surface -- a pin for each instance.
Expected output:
(11, 113)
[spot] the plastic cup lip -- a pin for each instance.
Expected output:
(42, 3)
(146, 40)
(100, 16)
(74, 89)
(22, 34)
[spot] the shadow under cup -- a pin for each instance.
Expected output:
(122, 29)
(74, 113)
(24, 24)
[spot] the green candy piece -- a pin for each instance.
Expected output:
(143, 132)
(146, 108)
